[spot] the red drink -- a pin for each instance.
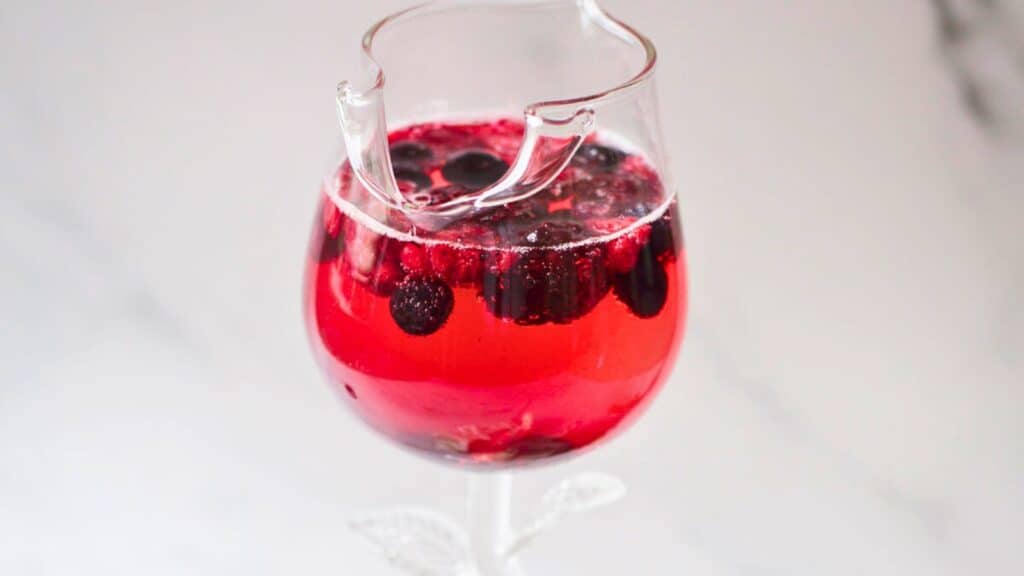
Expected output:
(515, 334)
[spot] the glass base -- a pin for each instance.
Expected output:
(424, 542)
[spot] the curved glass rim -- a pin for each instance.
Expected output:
(590, 7)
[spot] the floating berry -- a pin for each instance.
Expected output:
(385, 277)
(597, 158)
(414, 260)
(474, 169)
(411, 152)
(421, 306)
(622, 253)
(442, 259)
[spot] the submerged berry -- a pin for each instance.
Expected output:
(499, 261)
(534, 447)
(420, 306)
(645, 287)
(662, 240)
(468, 266)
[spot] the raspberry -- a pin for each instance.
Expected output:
(421, 306)
(622, 253)
(385, 277)
(642, 234)
(413, 260)
(442, 259)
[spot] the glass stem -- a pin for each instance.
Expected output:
(490, 504)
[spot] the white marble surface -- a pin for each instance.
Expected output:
(849, 398)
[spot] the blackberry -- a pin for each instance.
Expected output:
(420, 306)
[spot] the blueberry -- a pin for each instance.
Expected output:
(420, 306)
(474, 169)
(412, 174)
(597, 158)
(645, 287)
(410, 152)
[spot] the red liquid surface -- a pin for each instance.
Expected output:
(533, 331)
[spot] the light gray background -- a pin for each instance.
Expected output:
(849, 396)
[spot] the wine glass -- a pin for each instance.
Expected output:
(496, 277)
